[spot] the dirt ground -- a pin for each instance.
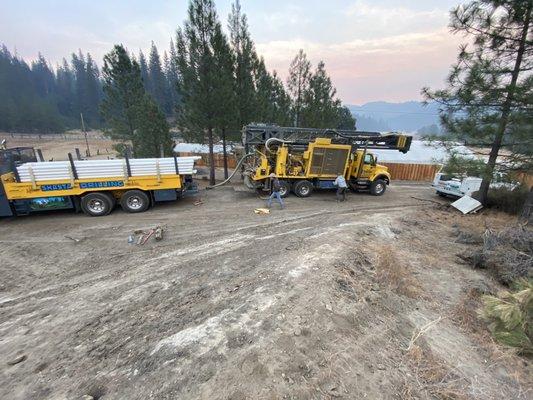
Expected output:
(365, 299)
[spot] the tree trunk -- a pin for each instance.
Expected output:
(225, 153)
(211, 157)
(526, 215)
(506, 110)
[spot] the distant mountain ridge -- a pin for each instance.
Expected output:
(407, 116)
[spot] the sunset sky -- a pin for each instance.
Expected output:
(374, 50)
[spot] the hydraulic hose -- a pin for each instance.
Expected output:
(233, 173)
(267, 143)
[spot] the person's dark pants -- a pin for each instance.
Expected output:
(341, 194)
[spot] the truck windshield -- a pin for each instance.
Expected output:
(369, 159)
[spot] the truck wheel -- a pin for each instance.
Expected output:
(284, 188)
(96, 204)
(303, 188)
(378, 187)
(134, 201)
(112, 199)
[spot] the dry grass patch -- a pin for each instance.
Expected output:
(433, 375)
(392, 272)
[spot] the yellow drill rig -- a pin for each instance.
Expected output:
(305, 159)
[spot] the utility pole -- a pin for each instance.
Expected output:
(87, 151)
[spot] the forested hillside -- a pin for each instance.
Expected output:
(233, 89)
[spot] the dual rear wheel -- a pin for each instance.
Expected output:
(300, 188)
(97, 204)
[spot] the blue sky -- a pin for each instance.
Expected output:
(373, 49)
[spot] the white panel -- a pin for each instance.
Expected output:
(467, 204)
(52, 170)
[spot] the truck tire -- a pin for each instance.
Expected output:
(112, 199)
(378, 187)
(303, 188)
(96, 204)
(285, 188)
(134, 201)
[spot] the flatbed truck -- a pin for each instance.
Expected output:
(91, 186)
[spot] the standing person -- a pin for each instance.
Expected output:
(276, 187)
(340, 182)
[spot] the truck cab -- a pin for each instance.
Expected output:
(366, 174)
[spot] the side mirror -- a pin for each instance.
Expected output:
(374, 161)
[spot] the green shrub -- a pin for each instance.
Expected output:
(510, 316)
(509, 201)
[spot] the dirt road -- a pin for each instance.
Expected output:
(298, 304)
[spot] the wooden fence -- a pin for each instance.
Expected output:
(412, 172)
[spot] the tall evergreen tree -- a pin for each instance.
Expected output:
(224, 89)
(198, 115)
(143, 65)
(79, 68)
(273, 102)
(156, 77)
(320, 107)
(93, 91)
(130, 113)
(489, 98)
(65, 90)
(168, 85)
(172, 74)
(298, 83)
(245, 58)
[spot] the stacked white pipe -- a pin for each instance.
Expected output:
(57, 170)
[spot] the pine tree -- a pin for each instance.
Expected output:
(157, 86)
(172, 74)
(320, 107)
(198, 113)
(345, 119)
(144, 72)
(224, 89)
(65, 90)
(273, 102)
(80, 87)
(93, 93)
(245, 58)
(130, 113)
(298, 83)
(280, 101)
(488, 101)
(168, 85)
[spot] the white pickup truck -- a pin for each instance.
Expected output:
(448, 185)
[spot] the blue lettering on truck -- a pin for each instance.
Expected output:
(83, 185)
(97, 185)
(59, 186)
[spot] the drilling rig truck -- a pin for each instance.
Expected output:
(306, 159)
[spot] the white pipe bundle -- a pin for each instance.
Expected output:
(57, 170)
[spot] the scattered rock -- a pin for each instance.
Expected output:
(17, 359)
(328, 307)
(380, 367)
(297, 332)
(87, 397)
